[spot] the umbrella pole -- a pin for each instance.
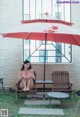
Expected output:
(45, 62)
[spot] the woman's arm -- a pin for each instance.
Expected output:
(20, 75)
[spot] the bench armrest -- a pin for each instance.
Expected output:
(18, 85)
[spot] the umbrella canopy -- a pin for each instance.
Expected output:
(48, 20)
(57, 32)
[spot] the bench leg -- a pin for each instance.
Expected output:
(17, 95)
(2, 87)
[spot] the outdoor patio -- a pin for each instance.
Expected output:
(47, 33)
(8, 101)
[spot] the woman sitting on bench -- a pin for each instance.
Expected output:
(27, 76)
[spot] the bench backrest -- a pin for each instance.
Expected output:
(60, 78)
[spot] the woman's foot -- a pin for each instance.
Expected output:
(24, 89)
(27, 89)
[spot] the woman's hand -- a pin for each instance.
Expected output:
(30, 74)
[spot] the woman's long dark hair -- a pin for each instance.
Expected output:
(25, 62)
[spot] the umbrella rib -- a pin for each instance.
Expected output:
(61, 53)
(28, 36)
(34, 51)
(58, 49)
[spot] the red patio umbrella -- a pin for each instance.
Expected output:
(46, 30)
(54, 30)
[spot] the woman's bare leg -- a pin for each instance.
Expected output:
(21, 85)
(24, 84)
(27, 84)
(30, 84)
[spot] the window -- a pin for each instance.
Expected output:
(35, 50)
(58, 53)
(26, 54)
(58, 15)
(42, 57)
(43, 42)
(26, 42)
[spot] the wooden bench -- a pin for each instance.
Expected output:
(19, 91)
(61, 81)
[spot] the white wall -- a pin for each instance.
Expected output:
(11, 49)
(75, 70)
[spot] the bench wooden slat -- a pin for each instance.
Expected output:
(61, 81)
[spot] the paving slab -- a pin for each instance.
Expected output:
(39, 111)
(42, 102)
